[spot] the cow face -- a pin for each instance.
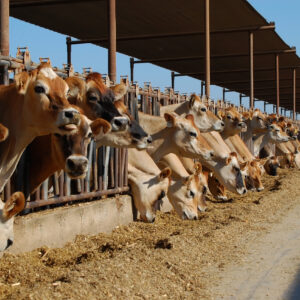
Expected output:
(148, 190)
(204, 119)
(276, 134)
(8, 210)
(256, 121)
(271, 164)
(233, 121)
(96, 100)
(186, 137)
(72, 149)
(46, 109)
(253, 175)
(184, 195)
(216, 188)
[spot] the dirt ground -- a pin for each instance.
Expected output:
(170, 259)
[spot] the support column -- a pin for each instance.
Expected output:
(265, 107)
(241, 100)
(4, 38)
(224, 92)
(173, 80)
(251, 62)
(207, 50)
(294, 94)
(131, 69)
(202, 87)
(277, 83)
(112, 39)
(69, 50)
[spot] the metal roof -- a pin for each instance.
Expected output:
(171, 35)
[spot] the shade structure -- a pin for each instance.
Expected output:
(170, 34)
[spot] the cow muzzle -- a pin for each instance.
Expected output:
(76, 166)
(68, 119)
(119, 123)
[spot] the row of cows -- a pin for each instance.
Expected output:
(185, 154)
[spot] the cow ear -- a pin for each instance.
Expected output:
(100, 126)
(228, 160)
(21, 80)
(187, 180)
(190, 117)
(233, 154)
(119, 91)
(76, 89)
(171, 119)
(248, 115)
(14, 205)
(192, 100)
(3, 133)
(165, 173)
(281, 119)
(197, 168)
(243, 165)
(221, 114)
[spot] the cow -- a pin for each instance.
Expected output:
(204, 119)
(8, 210)
(149, 185)
(175, 134)
(35, 104)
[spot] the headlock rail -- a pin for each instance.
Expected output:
(107, 168)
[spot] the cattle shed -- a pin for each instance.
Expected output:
(225, 43)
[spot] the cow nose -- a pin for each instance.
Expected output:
(195, 218)
(119, 123)
(211, 154)
(9, 243)
(74, 162)
(222, 124)
(69, 114)
(153, 220)
(149, 140)
(244, 191)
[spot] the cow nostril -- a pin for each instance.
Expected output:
(71, 164)
(162, 194)
(9, 243)
(211, 154)
(153, 220)
(118, 122)
(222, 124)
(69, 114)
(195, 218)
(149, 140)
(244, 191)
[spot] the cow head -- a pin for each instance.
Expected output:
(216, 188)
(185, 195)
(148, 190)
(186, 138)
(204, 119)
(253, 174)
(8, 210)
(233, 121)
(46, 108)
(271, 164)
(96, 100)
(255, 120)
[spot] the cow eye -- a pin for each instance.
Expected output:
(259, 118)
(229, 117)
(191, 194)
(203, 109)
(204, 190)
(92, 98)
(193, 134)
(236, 169)
(39, 89)
(90, 135)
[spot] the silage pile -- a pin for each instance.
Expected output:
(170, 259)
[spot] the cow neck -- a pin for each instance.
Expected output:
(182, 108)
(162, 144)
(260, 141)
(44, 159)
(13, 115)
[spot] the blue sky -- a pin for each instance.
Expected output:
(45, 43)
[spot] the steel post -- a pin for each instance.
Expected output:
(251, 64)
(131, 69)
(294, 94)
(4, 38)
(277, 83)
(173, 80)
(207, 50)
(112, 39)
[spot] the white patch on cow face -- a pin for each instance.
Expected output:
(48, 72)
(6, 229)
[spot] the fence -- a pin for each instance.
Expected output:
(107, 170)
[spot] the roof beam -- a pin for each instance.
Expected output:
(191, 58)
(247, 81)
(235, 71)
(22, 4)
(270, 26)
